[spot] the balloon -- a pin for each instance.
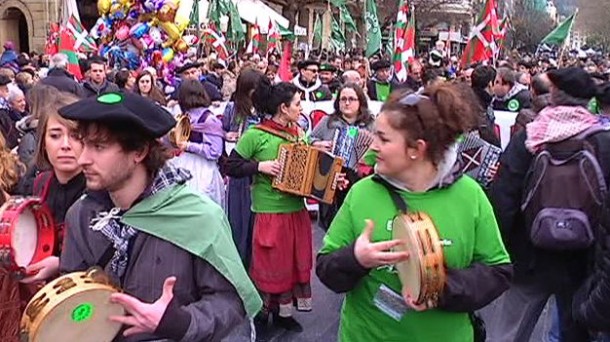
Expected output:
(183, 14)
(172, 31)
(147, 42)
(191, 39)
(168, 55)
(139, 30)
(101, 28)
(156, 58)
(103, 6)
(122, 33)
(167, 13)
(155, 35)
(117, 12)
(181, 46)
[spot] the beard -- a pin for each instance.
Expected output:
(116, 177)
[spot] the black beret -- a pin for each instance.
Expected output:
(122, 107)
(328, 67)
(573, 81)
(186, 66)
(305, 64)
(381, 64)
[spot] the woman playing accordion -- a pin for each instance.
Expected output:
(282, 240)
(417, 180)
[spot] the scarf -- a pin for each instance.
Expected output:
(291, 129)
(307, 90)
(120, 234)
(555, 124)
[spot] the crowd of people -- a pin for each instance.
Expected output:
(199, 240)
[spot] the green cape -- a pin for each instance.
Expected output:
(198, 225)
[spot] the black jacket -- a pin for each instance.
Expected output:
(506, 195)
(63, 81)
(522, 98)
(92, 90)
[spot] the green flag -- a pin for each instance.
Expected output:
(286, 33)
(344, 15)
(559, 35)
(237, 32)
(373, 31)
(337, 39)
(317, 31)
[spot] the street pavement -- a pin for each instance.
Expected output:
(322, 323)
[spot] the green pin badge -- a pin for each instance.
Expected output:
(319, 94)
(513, 105)
(353, 132)
(110, 98)
(82, 312)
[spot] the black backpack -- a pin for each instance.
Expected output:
(564, 194)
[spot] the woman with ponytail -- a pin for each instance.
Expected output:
(282, 239)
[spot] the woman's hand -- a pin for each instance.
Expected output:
(411, 301)
(374, 254)
(270, 167)
(143, 317)
(42, 270)
(342, 181)
(323, 145)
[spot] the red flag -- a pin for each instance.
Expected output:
(66, 46)
(51, 47)
(481, 45)
(284, 73)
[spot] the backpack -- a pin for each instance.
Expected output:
(564, 193)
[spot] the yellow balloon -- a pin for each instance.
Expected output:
(172, 31)
(103, 6)
(181, 46)
(183, 14)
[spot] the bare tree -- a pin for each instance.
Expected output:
(593, 20)
(529, 26)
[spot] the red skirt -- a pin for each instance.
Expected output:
(14, 297)
(282, 254)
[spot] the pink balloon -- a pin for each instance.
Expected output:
(122, 33)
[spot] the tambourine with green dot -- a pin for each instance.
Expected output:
(74, 307)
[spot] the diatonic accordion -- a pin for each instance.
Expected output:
(307, 171)
(350, 140)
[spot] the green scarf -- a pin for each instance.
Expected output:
(196, 224)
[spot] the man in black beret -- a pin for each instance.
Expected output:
(328, 76)
(169, 248)
(309, 84)
(380, 86)
(192, 71)
(552, 268)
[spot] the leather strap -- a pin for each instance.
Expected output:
(399, 202)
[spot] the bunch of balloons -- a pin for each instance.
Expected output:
(141, 33)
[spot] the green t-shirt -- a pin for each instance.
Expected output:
(261, 146)
(463, 217)
(383, 91)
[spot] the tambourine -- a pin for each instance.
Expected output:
(182, 131)
(423, 274)
(27, 233)
(74, 307)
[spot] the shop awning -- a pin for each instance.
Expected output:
(255, 11)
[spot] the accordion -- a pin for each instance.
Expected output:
(350, 140)
(307, 171)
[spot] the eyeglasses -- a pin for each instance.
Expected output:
(315, 71)
(348, 99)
(412, 100)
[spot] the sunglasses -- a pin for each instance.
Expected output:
(412, 100)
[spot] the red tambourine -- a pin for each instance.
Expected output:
(27, 233)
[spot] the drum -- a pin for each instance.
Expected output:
(74, 307)
(27, 233)
(423, 274)
(182, 131)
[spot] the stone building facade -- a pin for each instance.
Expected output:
(25, 22)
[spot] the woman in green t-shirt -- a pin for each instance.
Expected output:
(416, 149)
(282, 241)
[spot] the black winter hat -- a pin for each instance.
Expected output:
(573, 81)
(122, 107)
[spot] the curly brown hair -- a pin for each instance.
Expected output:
(438, 116)
(11, 169)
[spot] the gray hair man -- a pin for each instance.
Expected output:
(59, 77)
